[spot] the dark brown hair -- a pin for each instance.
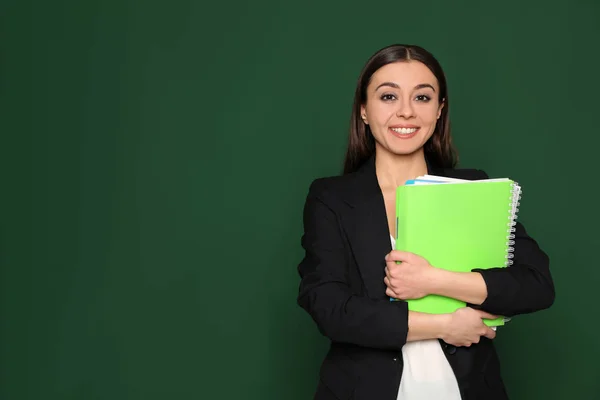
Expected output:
(439, 149)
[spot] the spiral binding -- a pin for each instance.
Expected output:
(515, 202)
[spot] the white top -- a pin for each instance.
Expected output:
(426, 374)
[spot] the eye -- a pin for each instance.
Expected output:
(388, 97)
(423, 98)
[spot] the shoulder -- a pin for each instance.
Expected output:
(465, 173)
(328, 186)
(345, 189)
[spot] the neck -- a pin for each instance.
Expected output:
(394, 170)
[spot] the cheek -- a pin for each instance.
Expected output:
(380, 115)
(429, 115)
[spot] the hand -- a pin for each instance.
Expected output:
(410, 279)
(465, 326)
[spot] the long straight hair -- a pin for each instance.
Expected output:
(439, 149)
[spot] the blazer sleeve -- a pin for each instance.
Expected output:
(524, 287)
(339, 313)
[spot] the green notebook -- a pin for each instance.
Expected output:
(458, 226)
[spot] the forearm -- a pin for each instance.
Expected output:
(469, 287)
(423, 326)
(519, 289)
(348, 318)
(524, 287)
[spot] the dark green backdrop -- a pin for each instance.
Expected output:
(155, 158)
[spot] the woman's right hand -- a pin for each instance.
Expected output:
(465, 326)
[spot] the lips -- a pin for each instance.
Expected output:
(404, 132)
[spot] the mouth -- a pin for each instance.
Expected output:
(404, 133)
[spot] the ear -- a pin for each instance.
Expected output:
(442, 104)
(363, 114)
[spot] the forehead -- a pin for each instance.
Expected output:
(407, 74)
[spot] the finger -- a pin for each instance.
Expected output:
(389, 273)
(489, 333)
(387, 282)
(485, 315)
(402, 256)
(393, 269)
(389, 292)
(390, 284)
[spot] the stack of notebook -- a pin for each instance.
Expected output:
(457, 225)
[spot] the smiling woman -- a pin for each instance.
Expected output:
(400, 129)
(402, 107)
(402, 85)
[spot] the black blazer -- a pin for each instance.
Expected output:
(345, 240)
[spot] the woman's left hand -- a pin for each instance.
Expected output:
(411, 279)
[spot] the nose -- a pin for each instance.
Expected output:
(405, 109)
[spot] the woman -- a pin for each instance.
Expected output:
(379, 350)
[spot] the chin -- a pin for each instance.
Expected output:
(403, 147)
(405, 153)
(407, 149)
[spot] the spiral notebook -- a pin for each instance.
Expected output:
(457, 225)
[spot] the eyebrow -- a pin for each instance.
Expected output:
(395, 85)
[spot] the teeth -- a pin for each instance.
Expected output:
(404, 131)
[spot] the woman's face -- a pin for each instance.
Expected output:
(402, 107)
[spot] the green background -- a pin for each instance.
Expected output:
(155, 159)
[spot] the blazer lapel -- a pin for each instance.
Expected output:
(367, 227)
